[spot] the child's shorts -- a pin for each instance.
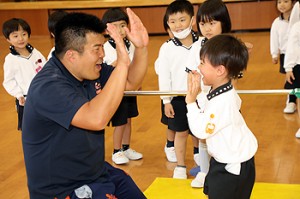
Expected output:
(219, 183)
(127, 109)
(179, 122)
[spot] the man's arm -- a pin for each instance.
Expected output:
(95, 115)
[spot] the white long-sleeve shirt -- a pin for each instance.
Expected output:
(292, 55)
(219, 121)
(171, 64)
(295, 15)
(278, 37)
(19, 72)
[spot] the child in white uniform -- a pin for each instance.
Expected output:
(169, 148)
(216, 117)
(173, 61)
(21, 64)
(278, 43)
(128, 109)
(212, 19)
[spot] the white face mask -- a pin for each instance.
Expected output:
(183, 34)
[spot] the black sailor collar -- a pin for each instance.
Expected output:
(14, 52)
(177, 42)
(113, 43)
(218, 91)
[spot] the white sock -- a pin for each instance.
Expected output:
(204, 157)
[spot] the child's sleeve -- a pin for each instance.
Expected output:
(10, 84)
(274, 40)
(164, 74)
(292, 57)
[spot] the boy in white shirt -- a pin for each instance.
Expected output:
(216, 117)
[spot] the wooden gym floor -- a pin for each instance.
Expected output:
(278, 153)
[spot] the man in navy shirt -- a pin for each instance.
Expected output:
(68, 107)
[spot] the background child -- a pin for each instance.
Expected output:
(21, 64)
(216, 117)
(278, 44)
(172, 77)
(292, 62)
(169, 147)
(52, 20)
(170, 134)
(128, 108)
(212, 19)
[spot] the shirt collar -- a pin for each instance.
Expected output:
(218, 91)
(14, 52)
(177, 42)
(126, 42)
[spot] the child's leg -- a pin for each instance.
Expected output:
(129, 153)
(196, 149)
(170, 137)
(127, 133)
(118, 136)
(180, 150)
(204, 157)
(169, 147)
(291, 100)
(118, 156)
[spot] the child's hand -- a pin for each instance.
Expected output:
(194, 86)
(289, 76)
(169, 111)
(21, 101)
(275, 60)
(137, 34)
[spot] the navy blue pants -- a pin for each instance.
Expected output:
(119, 186)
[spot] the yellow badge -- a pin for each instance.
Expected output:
(210, 127)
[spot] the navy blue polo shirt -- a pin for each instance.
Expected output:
(58, 156)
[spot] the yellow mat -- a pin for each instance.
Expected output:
(168, 188)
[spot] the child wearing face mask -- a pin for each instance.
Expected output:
(170, 150)
(172, 77)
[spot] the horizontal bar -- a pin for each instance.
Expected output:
(183, 93)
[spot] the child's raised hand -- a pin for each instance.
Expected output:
(194, 86)
(137, 33)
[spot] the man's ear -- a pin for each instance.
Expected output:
(70, 55)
